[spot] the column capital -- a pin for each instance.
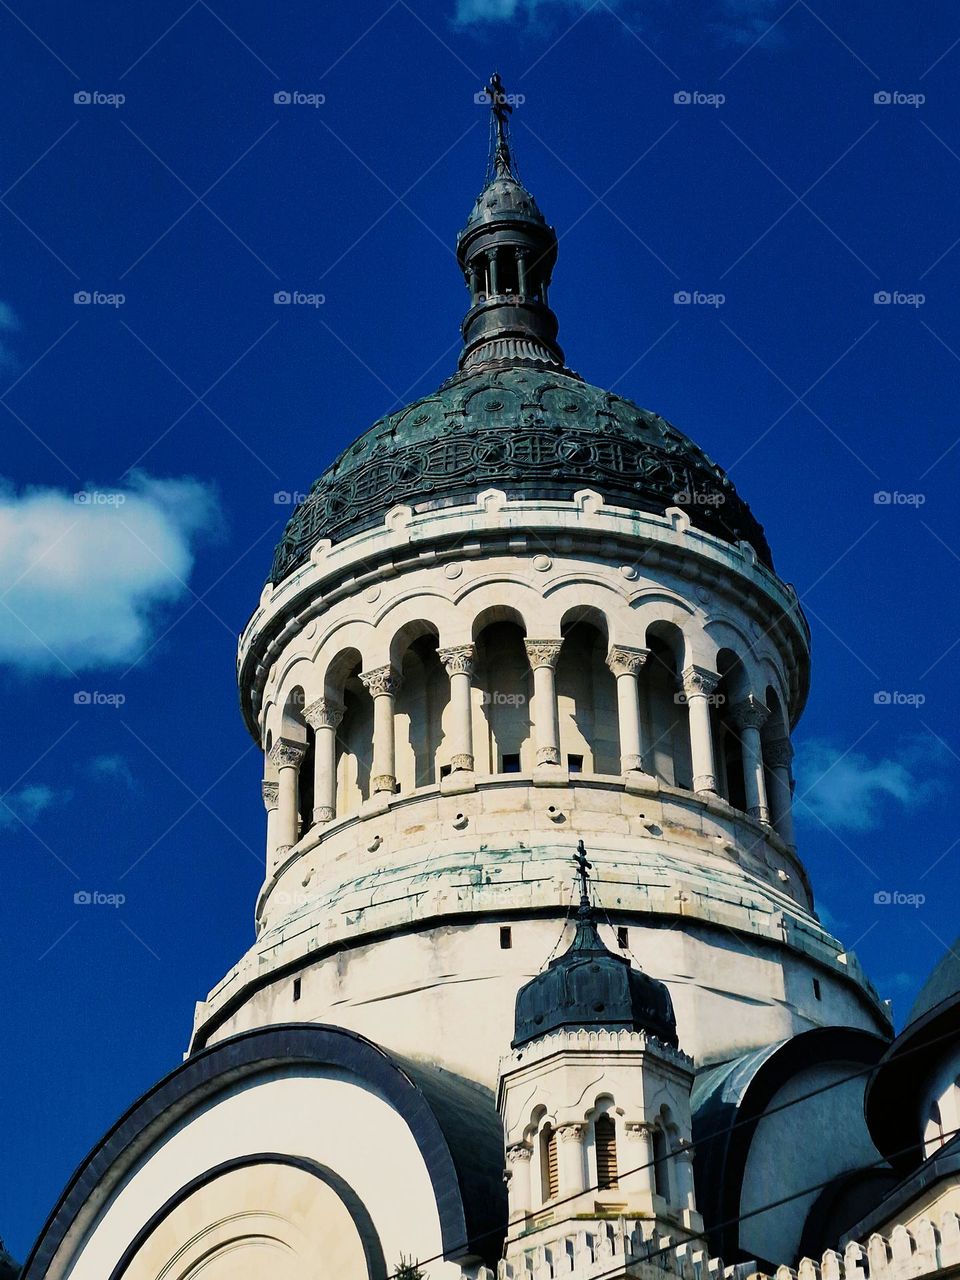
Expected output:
(519, 1153)
(543, 653)
(778, 754)
(458, 660)
(750, 713)
(639, 1130)
(271, 794)
(381, 680)
(325, 713)
(698, 680)
(571, 1132)
(286, 753)
(626, 661)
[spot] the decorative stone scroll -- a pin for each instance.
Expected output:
(381, 681)
(624, 661)
(324, 714)
(543, 653)
(459, 660)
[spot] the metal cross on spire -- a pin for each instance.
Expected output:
(584, 867)
(501, 109)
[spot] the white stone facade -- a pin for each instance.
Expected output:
(469, 690)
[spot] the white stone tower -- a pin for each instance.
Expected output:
(518, 613)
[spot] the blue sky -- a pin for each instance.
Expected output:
(776, 180)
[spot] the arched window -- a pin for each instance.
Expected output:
(503, 687)
(587, 701)
(549, 1163)
(661, 1155)
(605, 1138)
(664, 711)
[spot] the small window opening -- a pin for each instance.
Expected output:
(549, 1163)
(660, 1155)
(816, 989)
(623, 937)
(575, 764)
(506, 937)
(296, 988)
(605, 1134)
(510, 762)
(446, 770)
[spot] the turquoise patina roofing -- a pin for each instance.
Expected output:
(513, 416)
(535, 433)
(590, 987)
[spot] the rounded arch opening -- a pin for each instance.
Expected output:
(587, 695)
(502, 690)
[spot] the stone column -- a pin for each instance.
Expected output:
(543, 655)
(683, 1175)
(492, 272)
(271, 798)
(626, 663)
(522, 255)
(698, 684)
(458, 663)
(384, 685)
(519, 1191)
(285, 757)
(750, 716)
(324, 717)
(571, 1162)
(639, 1156)
(778, 755)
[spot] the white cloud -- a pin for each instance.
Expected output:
(28, 803)
(83, 577)
(849, 790)
(739, 21)
(112, 768)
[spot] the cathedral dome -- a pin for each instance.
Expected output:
(514, 416)
(589, 987)
(534, 432)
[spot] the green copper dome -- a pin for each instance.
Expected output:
(533, 432)
(590, 988)
(513, 417)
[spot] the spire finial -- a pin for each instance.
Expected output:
(501, 108)
(584, 867)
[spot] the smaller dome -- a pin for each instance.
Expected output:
(591, 987)
(943, 984)
(504, 198)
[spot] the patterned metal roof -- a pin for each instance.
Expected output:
(533, 432)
